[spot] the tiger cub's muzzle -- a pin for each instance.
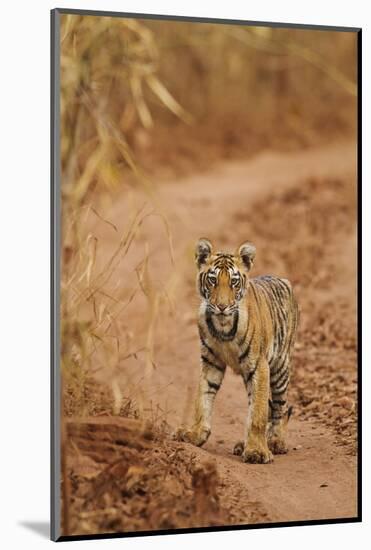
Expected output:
(222, 309)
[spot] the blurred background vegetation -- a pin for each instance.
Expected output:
(174, 94)
(145, 97)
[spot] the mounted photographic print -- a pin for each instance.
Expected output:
(205, 308)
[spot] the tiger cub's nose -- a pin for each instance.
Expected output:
(222, 307)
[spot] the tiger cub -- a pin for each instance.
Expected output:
(249, 325)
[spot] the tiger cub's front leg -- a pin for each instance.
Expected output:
(211, 377)
(256, 446)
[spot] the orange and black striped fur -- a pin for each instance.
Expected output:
(250, 326)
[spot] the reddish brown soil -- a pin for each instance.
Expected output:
(299, 209)
(125, 478)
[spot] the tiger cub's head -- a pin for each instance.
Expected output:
(223, 278)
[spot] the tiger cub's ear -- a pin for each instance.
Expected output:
(203, 251)
(247, 253)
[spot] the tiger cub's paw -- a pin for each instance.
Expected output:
(257, 456)
(277, 445)
(195, 436)
(238, 448)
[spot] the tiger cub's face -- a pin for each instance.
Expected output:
(222, 278)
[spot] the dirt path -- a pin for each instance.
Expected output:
(288, 205)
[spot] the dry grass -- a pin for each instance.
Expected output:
(97, 55)
(93, 299)
(106, 63)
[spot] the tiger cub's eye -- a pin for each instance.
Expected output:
(235, 281)
(211, 279)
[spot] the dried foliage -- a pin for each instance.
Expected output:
(123, 481)
(105, 63)
(108, 66)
